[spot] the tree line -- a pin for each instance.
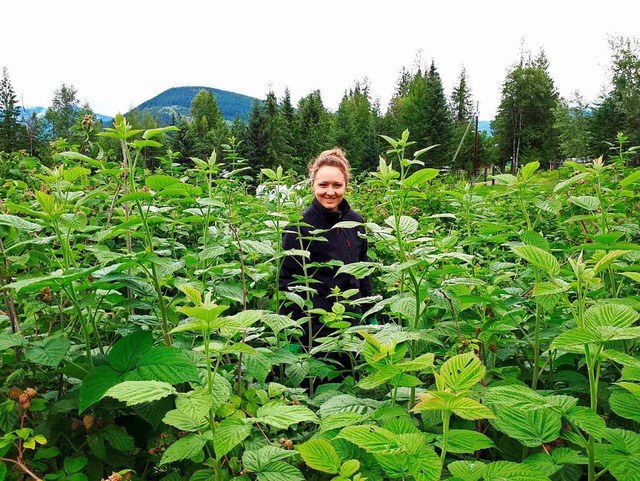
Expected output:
(533, 122)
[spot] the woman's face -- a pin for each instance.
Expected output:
(329, 187)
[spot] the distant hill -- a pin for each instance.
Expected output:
(176, 102)
(27, 112)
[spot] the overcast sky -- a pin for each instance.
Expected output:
(117, 53)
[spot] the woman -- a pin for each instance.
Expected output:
(329, 175)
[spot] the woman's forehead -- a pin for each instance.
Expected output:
(329, 173)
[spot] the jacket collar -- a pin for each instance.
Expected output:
(331, 216)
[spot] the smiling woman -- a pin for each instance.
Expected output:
(329, 174)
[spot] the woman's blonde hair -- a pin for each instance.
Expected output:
(332, 158)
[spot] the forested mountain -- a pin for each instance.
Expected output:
(176, 102)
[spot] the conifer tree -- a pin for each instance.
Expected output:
(312, 129)
(439, 126)
(11, 131)
(356, 127)
(524, 125)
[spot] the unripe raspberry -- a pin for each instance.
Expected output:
(115, 477)
(88, 422)
(14, 393)
(288, 444)
(30, 392)
(75, 424)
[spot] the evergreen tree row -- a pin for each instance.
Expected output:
(532, 122)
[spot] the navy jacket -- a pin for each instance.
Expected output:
(345, 245)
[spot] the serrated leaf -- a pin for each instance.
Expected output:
(48, 351)
(625, 404)
(617, 315)
(506, 470)
(462, 372)
(257, 247)
(320, 455)
(228, 435)
(118, 438)
(19, 223)
(373, 439)
(282, 416)
(539, 258)
(257, 460)
(137, 392)
(406, 225)
(467, 470)
(196, 404)
(420, 177)
(127, 350)
(167, 364)
(575, 337)
(585, 419)
(359, 270)
(159, 182)
(465, 441)
(531, 428)
(630, 179)
(279, 471)
(96, 383)
(184, 448)
(587, 202)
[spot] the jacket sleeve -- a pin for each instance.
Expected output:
(289, 268)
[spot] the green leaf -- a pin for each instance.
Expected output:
(282, 416)
(420, 177)
(406, 225)
(159, 182)
(373, 439)
(137, 392)
(527, 171)
(570, 181)
(380, 376)
(349, 468)
(8, 341)
(465, 441)
(96, 383)
(184, 448)
(587, 202)
(539, 258)
(74, 173)
(167, 364)
(467, 470)
(183, 421)
(533, 238)
(462, 372)
(617, 315)
(118, 438)
(505, 470)
(625, 404)
(229, 434)
(630, 179)
(320, 455)
(257, 460)
(359, 270)
(531, 428)
(585, 419)
(257, 247)
(575, 337)
(608, 259)
(19, 223)
(126, 351)
(48, 351)
(73, 465)
(279, 471)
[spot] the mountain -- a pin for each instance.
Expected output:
(485, 126)
(176, 102)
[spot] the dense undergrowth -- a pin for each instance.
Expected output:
(141, 337)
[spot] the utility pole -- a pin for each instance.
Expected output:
(475, 145)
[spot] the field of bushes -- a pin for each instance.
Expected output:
(141, 339)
